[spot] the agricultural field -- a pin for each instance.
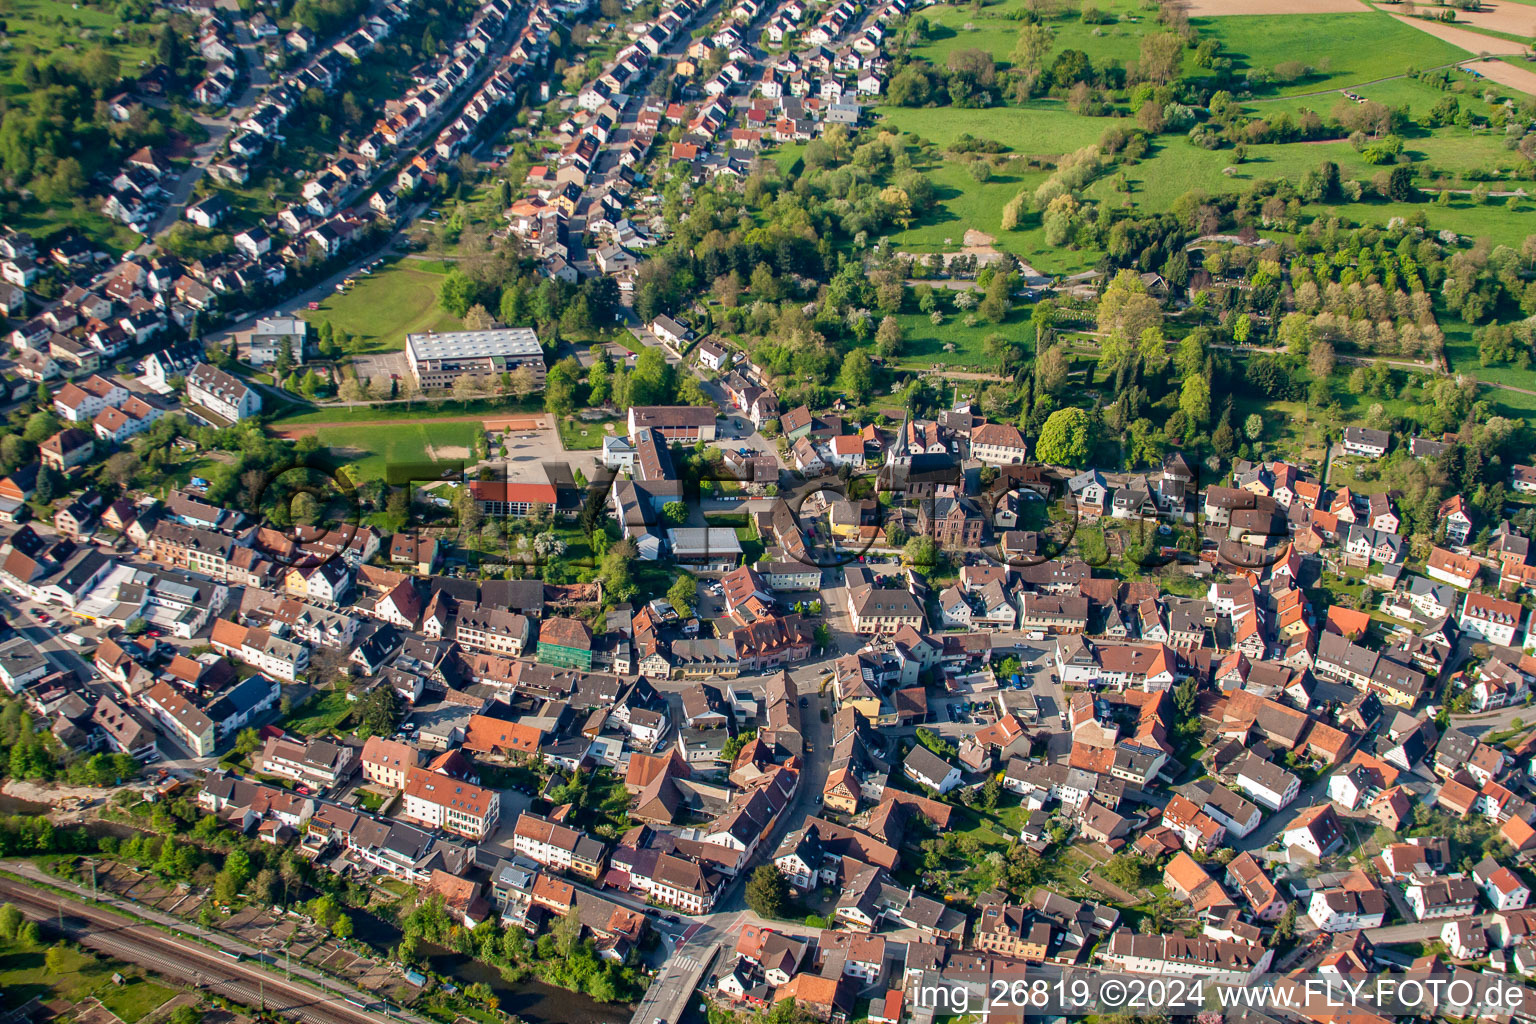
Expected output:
(1342, 50)
(399, 298)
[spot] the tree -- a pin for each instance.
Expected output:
(265, 887)
(55, 959)
(247, 740)
(477, 318)
(1224, 438)
(1033, 44)
(1320, 360)
(547, 545)
(889, 338)
(1195, 400)
(653, 380)
(10, 922)
(999, 298)
(305, 509)
(1161, 55)
(1285, 928)
(342, 927)
(857, 376)
(1127, 308)
(122, 467)
(1253, 426)
(1186, 697)
(1051, 370)
(767, 892)
(457, 292)
(616, 573)
(378, 712)
(675, 512)
(921, 551)
(683, 594)
(226, 886)
(560, 389)
(168, 49)
(1242, 327)
(523, 382)
(40, 426)
(1064, 438)
(466, 388)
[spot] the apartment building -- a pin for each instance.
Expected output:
(221, 393)
(451, 804)
(388, 763)
(557, 846)
(182, 718)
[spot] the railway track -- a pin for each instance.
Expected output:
(181, 960)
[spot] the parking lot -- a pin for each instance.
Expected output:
(380, 365)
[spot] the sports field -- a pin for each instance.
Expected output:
(367, 449)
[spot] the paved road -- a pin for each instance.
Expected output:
(217, 128)
(191, 962)
(63, 657)
(1418, 931)
(1494, 721)
(730, 913)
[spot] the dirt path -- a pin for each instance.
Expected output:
(1499, 16)
(67, 803)
(490, 422)
(1472, 42)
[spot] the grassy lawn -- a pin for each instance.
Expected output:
(1343, 49)
(134, 999)
(1461, 352)
(399, 298)
(24, 976)
(579, 435)
(925, 343)
(370, 449)
(1175, 166)
(41, 219)
(962, 203)
(1044, 127)
(318, 716)
(995, 29)
(397, 886)
(53, 28)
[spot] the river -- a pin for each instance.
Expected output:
(531, 1000)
